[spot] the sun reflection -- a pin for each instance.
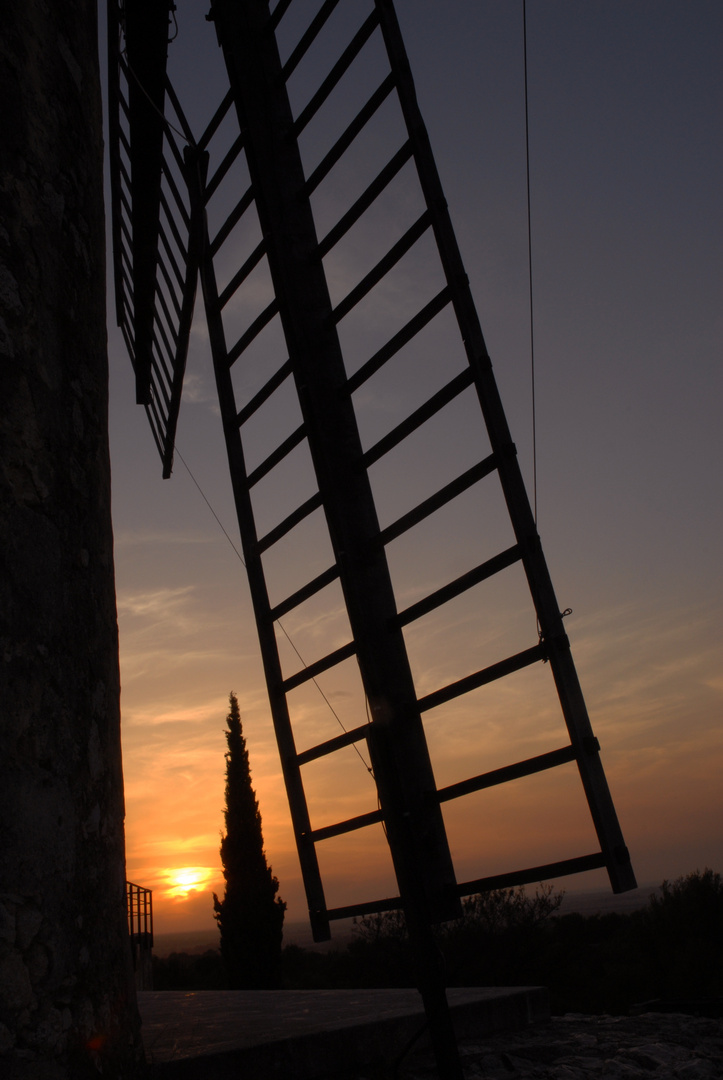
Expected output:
(180, 883)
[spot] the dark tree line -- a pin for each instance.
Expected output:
(670, 950)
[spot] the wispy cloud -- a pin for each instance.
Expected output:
(165, 538)
(155, 603)
(199, 390)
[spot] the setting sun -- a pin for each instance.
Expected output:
(189, 879)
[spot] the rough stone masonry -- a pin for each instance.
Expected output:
(66, 1004)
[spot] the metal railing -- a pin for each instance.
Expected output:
(139, 905)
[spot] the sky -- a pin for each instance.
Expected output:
(625, 171)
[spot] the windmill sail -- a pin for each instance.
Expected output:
(312, 212)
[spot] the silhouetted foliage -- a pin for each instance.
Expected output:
(681, 935)
(587, 963)
(250, 916)
(487, 946)
(671, 949)
(184, 971)
(500, 930)
(379, 953)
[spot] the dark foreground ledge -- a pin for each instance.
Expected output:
(310, 1034)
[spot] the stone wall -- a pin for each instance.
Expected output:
(67, 1007)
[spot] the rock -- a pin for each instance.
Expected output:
(668, 1046)
(28, 921)
(6, 1039)
(16, 991)
(7, 924)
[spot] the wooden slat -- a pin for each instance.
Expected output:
(305, 592)
(253, 331)
(508, 772)
(383, 267)
(285, 526)
(400, 339)
(218, 176)
(533, 874)
(362, 821)
(425, 412)
(481, 678)
(320, 666)
(371, 907)
(278, 455)
(439, 499)
(216, 120)
(264, 393)
(350, 737)
(240, 276)
(308, 37)
(347, 137)
(365, 200)
(233, 219)
(340, 67)
(460, 584)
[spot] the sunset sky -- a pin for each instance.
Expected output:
(625, 159)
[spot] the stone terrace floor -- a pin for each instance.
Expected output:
(362, 1035)
(576, 1047)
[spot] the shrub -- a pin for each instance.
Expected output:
(681, 936)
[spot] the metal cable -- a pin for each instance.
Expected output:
(529, 266)
(283, 629)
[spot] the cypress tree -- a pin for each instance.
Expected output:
(250, 916)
